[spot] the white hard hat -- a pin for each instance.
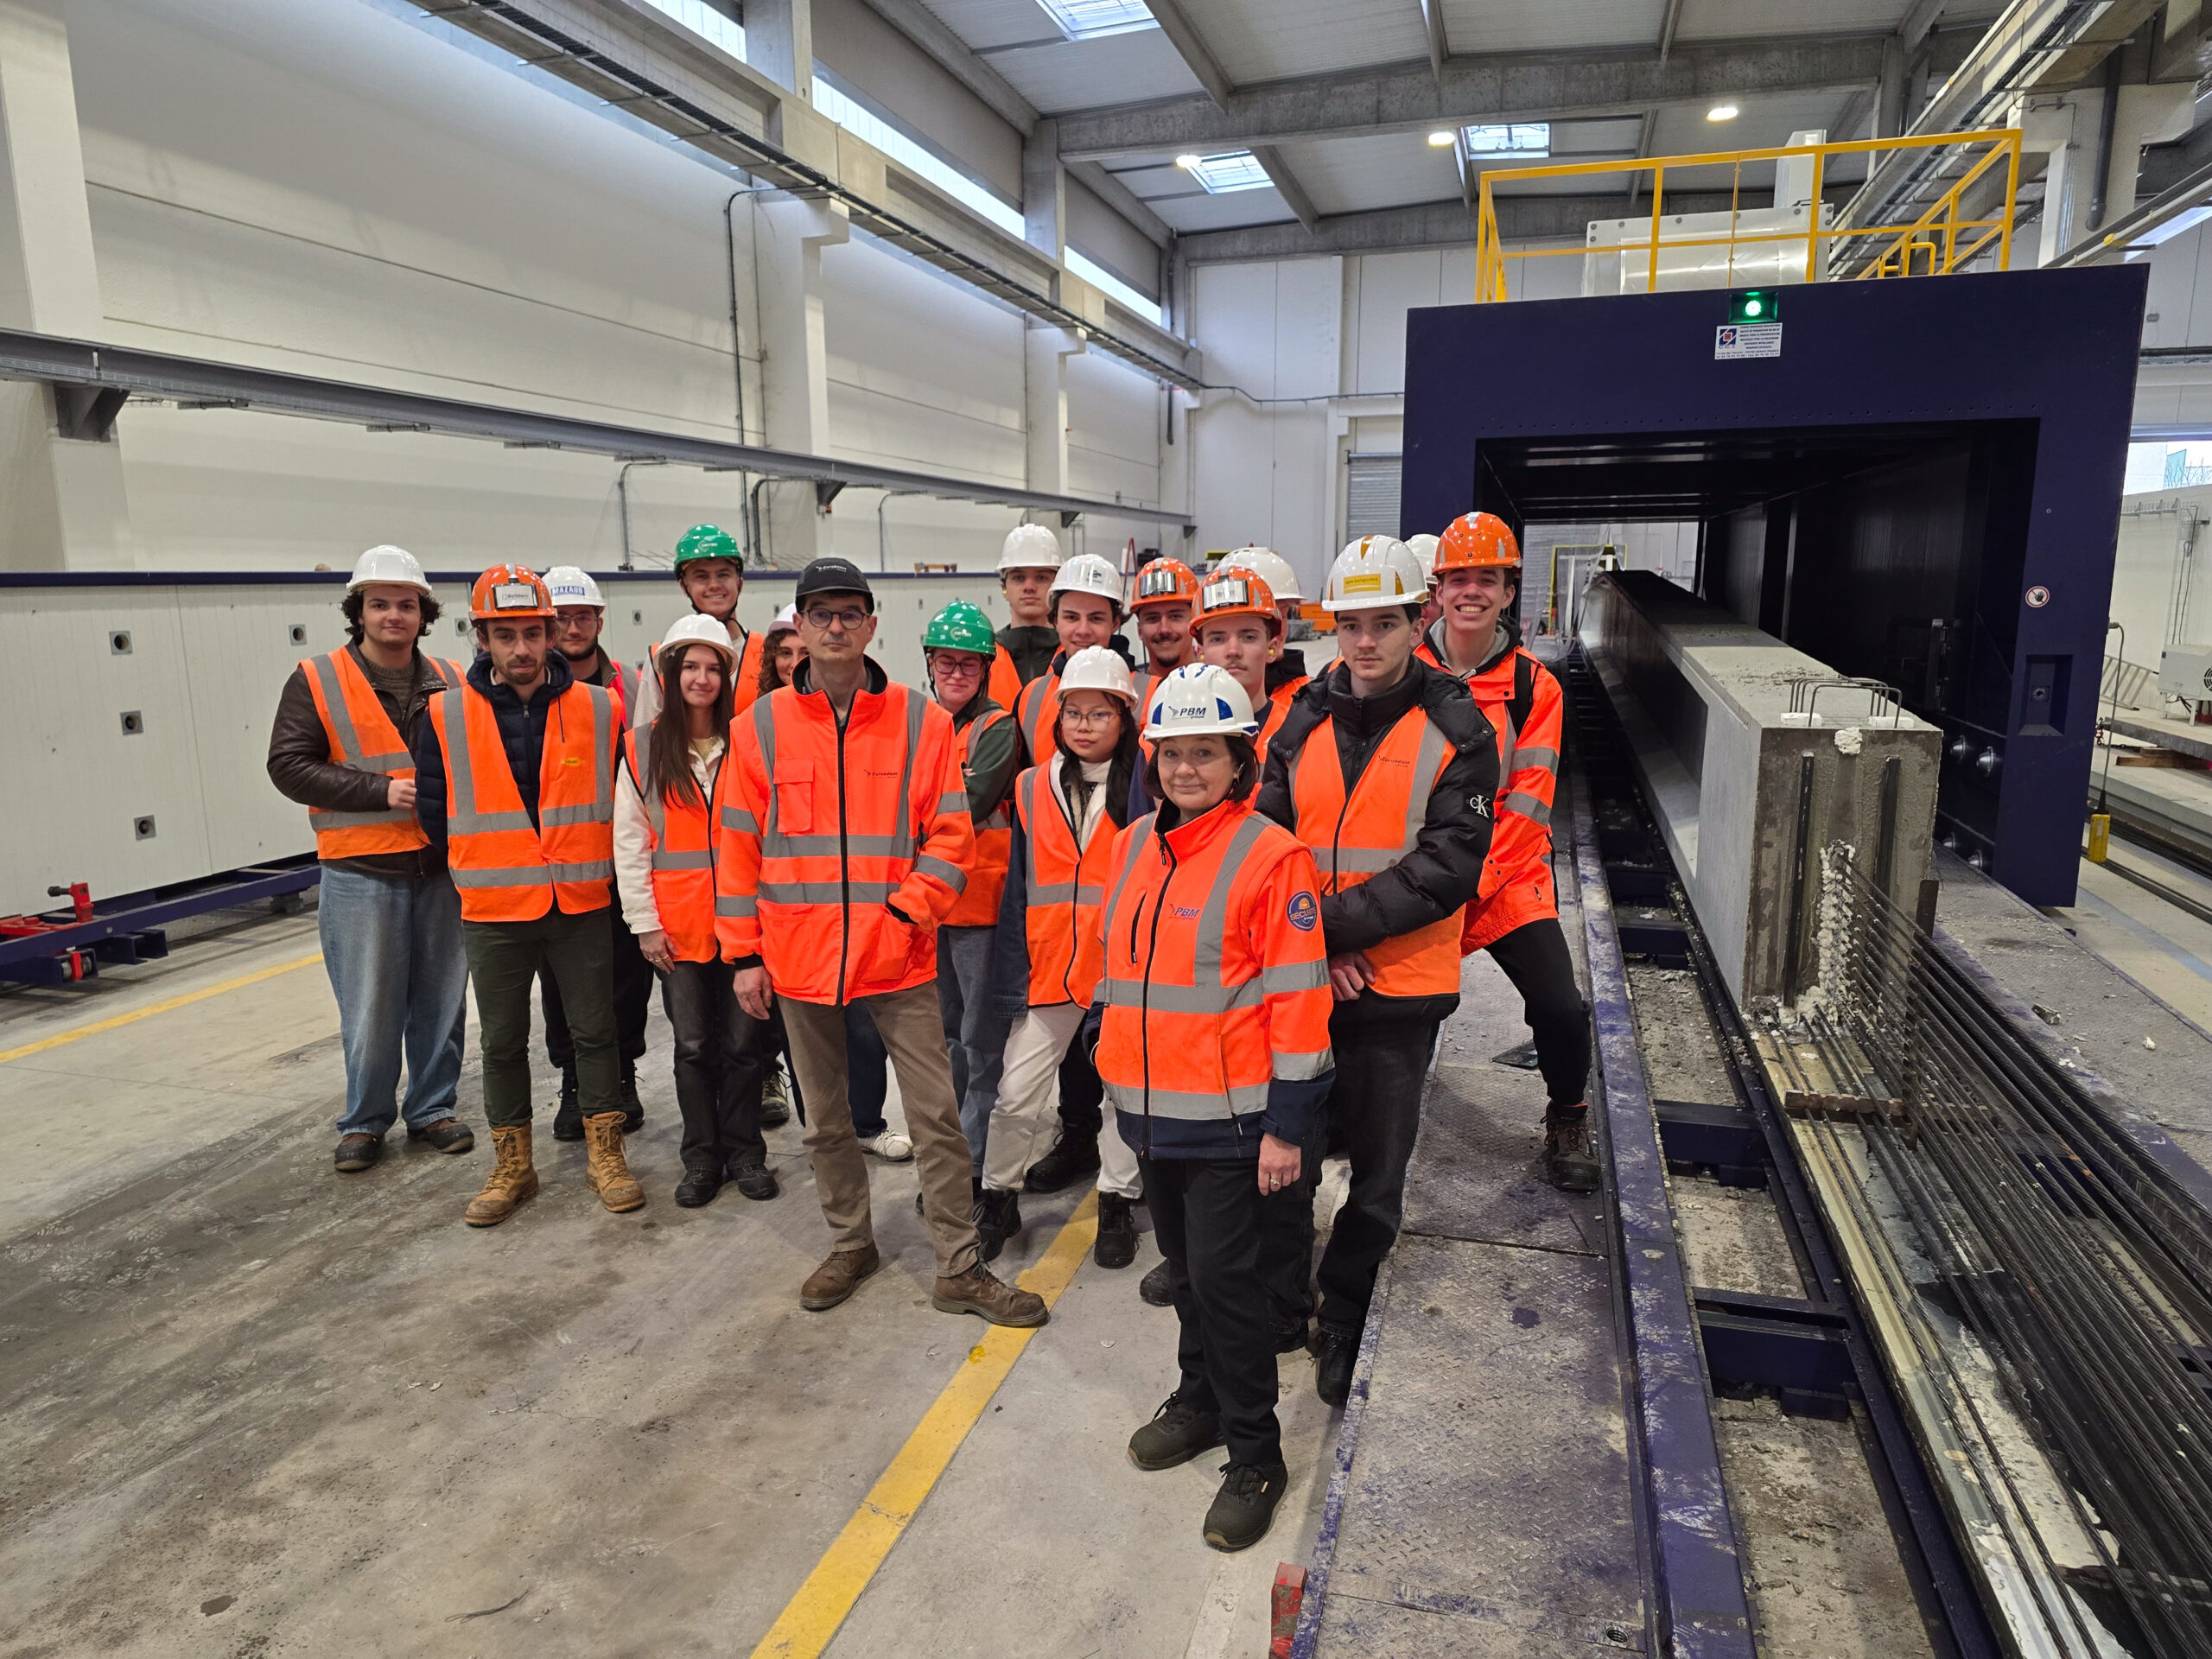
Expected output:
(1269, 566)
(1373, 572)
(1030, 547)
(1096, 667)
(1198, 698)
(388, 563)
(786, 621)
(570, 586)
(1423, 547)
(696, 629)
(1089, 573)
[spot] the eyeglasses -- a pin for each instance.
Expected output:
(822, 617)
(1089, 717)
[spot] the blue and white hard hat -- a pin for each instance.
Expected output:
(1198, 698)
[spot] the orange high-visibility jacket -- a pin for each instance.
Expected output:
(508, 871)
(746, 687)
(1214, 982)
(1523, 701)
(978, 903)
(683, 857)
(1354, 840)
(1063, 888)
(1003, 685)
(361, 736)
(821, 827)
(1037, 710)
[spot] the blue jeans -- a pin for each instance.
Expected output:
(973, 1035)
(392, 949)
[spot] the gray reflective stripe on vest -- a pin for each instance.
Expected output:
(1025, 789)
(1506, 739)
(603, 756)
(466, 820)
(665, 860)
(774, 843)
(739, 822)
(1304, 1068)
(1148, 828)
(1182, 999)
(1169, 1103)
(743, 903)
(955, 801)
(349, 740)
(1534, 756)
(1213, 919)
(951, 875)
(319, 819)
(535, 875)
(1531, 807)
(558, 817)
(1207, 993)
(1287, 977)
(826, 892)
(656, 806)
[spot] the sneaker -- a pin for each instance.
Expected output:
(998, 1218)
(568, 1116)
(1334, 1354)
(700, 1183)
(1072, 1158)
(775, 1100)
(753, 1176)
(447, 1135)
(1177, 1432)
(357, 1153)
(1158, 1286)
(633, 1109)
(1245, 1508)
(891, 1146)
(1117, 1231)
(978, 1292)
(1570, 1165)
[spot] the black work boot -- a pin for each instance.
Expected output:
(1073, 1156)
(1570, 1165)
(1177, 1432)
(1117, 1232)
(1335, 1353)
(633, 1109)
(702, 1178)
(1245, 1506)
(568, 1119)
(1158, 1286)
(750, 1174)
(998, 1218)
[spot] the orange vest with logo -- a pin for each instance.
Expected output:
(506, 870)
(1064, 887)
(978, 903)
(362, 737)
(683, 856)
(1356, 839)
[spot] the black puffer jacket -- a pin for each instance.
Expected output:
(1445, 866)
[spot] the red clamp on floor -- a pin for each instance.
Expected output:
(1289, 1597)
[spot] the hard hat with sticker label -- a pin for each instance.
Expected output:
(1367, 582)
(514, 596)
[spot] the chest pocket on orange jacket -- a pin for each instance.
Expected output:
(794, 782)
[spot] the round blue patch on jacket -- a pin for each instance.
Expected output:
(1303, 912)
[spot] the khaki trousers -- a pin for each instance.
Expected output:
(1018, 1136)
(913, 1033)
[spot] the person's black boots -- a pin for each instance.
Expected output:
(702, 1180)
(633, 1109)
(1334, 1354)
(1158, 1286)
(750, 1174)
(1073, 1157)
(1177, 1432)
(998, 1218)
(568, 1119)
(1570, 1163)
(1245, 1506)
(775, 1099)
(1117, 1232)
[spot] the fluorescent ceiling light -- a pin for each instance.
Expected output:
(1721, 112)
(1083, 20)
(1526, 140)
(1237, 169)
(1438, 140)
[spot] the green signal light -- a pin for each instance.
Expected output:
(1754, 305)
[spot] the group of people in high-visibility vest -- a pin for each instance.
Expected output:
(1218, 919)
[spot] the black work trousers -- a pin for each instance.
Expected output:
(633, 994)
(1206, 1218)
(722, 1057)
(1372, 1116)
(1082, 1094)
(1535, 957)
(504, 957)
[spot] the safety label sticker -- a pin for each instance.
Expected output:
(1736, 339)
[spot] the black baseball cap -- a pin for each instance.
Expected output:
(834, 577)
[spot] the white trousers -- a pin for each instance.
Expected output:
(1023, 1120)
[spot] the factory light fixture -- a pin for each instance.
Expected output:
(1438, 140)
(1235, 169)
(1721, 112)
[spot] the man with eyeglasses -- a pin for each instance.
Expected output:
(843, 843)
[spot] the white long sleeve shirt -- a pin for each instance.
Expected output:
(633, 839)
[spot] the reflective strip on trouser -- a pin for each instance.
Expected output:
(1169, 1103)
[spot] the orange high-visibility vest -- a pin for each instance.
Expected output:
(978, 903)
(362, 737)
(821, 827)
(1355, 840)
(1037, 710)
(683, 856)
(1214, 978)
(1003, 686)
(506, 870)
(1063, 888)
(747, 685)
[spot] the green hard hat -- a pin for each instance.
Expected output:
(708, 542)
(960, 626)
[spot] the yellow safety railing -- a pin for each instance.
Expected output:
(1941, 240)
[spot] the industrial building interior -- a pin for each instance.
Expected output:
(1882, 843)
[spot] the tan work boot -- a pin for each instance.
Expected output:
(513, 1178)
(977, 1292)
(837, 1278)
(607, 1172)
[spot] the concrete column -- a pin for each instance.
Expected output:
(789, 236)
(2064, 131)
(2154, 114)
(1045, 195)
(1889, 91)
(62, 503)
(1046, 352)
(780, 42)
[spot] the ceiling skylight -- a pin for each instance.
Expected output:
(1237, 169)
(1083, 20)
(1529, 141)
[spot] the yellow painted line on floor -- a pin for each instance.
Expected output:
(77, 1033)
(811, 1616)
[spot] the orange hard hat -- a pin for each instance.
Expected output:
(1237, 592)
(1474, 541)
(1165, 581)
(509, 592)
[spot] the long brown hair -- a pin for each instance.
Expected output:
(668, 750)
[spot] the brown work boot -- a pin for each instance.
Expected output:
(607, 1172)
(513, 1178)
(1570, 1162)
(838, 1278)
(977, 1292)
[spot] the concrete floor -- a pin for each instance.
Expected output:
(250, 1408)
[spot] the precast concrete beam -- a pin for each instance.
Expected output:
(788, 236)
(1046, 352)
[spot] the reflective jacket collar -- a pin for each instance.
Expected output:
(558, 678)
(1188, 840)
(1509, 641)
(874, 683)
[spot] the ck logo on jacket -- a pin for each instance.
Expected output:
(1481, 804)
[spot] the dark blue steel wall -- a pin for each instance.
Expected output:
(2058, 348)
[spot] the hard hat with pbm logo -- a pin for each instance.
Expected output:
(510, 593)
(1373, 572)
(1198, 698)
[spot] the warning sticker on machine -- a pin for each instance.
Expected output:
(1734, 340)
